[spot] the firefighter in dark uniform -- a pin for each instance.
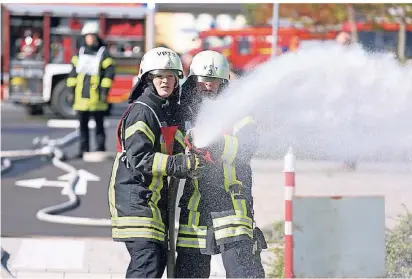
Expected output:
(146, 142)
(217, 206)
(90, 79)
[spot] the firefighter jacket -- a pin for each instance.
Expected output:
(138, 184)
(217, 207)
(91, 78)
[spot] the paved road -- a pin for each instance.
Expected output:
(20, 204)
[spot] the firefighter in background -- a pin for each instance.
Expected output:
(90, 80)
(217, 206)
(146, 142)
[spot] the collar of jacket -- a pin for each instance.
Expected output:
(151, 93)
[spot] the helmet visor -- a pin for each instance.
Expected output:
(164, 72)
(214, 80)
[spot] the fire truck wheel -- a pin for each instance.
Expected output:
(34, 109)
(61, 102)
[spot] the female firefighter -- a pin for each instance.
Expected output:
(138, 184)
(217, 206)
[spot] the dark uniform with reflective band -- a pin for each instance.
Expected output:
(91, 78)
(138, 184)
(217, 208)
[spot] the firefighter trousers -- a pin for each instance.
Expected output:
(84, 117)
(238, 259)
(147, 259)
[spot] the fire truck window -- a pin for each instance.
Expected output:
(66, 38)
(379, 40)
(243, 45)
(211, 42)
(408, 49)
(390, 40)
(367, 39)
(125, 37)
(26, 38)
(56, 49)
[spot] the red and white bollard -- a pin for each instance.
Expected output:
(289, 171)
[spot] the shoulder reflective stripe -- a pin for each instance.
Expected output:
(71, 82)
(232, 220)
(107, 62)
(157, 118)
(142, 127)
(106, 83)
(191, 242)
(233, 232)
(133, 221)
(230, 150)
(112, 193)
(138, 233)
(180, 138)
(74, 60)
(242, 123)
(159, 164)
(81, 51)
(229, 176)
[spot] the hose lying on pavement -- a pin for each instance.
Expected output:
(52, 150)
(5, 165)
(50, 214)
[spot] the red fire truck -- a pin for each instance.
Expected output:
(39, 41)
(381, 37)
(250, 46)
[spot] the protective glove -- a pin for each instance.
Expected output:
(103, 93)
(201, 152)
(184, 165)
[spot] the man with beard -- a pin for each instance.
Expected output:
(217, 205)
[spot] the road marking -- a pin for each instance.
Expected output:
(42, 254)
(72, 124)
(81, 186)
(38, 183)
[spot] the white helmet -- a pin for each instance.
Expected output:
(160, 58)
(90, 27)
(209, 64)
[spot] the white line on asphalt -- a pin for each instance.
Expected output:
(74, 124)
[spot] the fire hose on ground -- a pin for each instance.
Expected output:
(53, 150)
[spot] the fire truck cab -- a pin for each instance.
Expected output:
(39, 41)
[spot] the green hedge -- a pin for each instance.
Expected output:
(398, 248)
